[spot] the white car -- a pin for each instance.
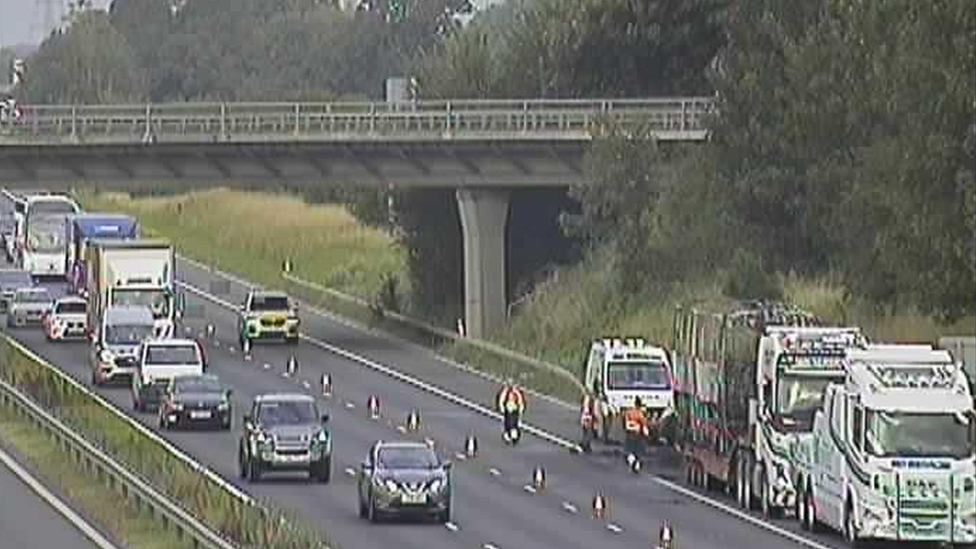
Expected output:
(67, 319)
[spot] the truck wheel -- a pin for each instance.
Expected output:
(253, 470)
(241, 463)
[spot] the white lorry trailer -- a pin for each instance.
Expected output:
(135, 273)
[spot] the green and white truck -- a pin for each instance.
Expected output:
(894, 450)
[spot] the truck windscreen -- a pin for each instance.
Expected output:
(636, 376)
(799, 397)
(156, 300)
(46, 238)
(898, 434)
(127, 334)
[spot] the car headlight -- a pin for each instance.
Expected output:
(106, 356)
(436, 485)
(390, 485)
(224, 405)
(178, 406)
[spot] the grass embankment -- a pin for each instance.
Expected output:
(249, 526)
(252, 233)
(115, 516)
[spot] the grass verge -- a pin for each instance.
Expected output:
(554, 326)
(262, 527)
(119, 518)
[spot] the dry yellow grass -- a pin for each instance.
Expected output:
(253, 233)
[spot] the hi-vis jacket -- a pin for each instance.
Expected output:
(635, 421)
(588, 411)
(511, 400)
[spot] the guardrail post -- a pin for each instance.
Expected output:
(684, 115)
(298, 107)
(223, 122)
(372, 117)
(74, 123)
(525, 116)
(148, 136)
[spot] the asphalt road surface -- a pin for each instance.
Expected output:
(493, 507)
(29, 522)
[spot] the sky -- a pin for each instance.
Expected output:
(18, 20)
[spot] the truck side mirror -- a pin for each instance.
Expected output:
(753, 411)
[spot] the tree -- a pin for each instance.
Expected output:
(89, 63)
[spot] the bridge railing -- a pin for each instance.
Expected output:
(344, 121)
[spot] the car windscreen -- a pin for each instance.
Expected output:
(196, 385)
(33, 297)
(16, 280)
(127, 334)
(269, 303)
(407, 458)
(172, 354)
(71, 308)
(287, 413)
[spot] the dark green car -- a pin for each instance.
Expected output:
(284, 432)
(267, 315)
(405, 478)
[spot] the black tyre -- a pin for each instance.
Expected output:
(371, 512)
(253, 470)
(322, 471)
(241, 463)
(362, 508)
(445, 517)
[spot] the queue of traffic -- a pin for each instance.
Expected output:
(121, 299)
(875, 441)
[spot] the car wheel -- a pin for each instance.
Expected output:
(372, 514)
(253, 470)
(362, 508)
(136, 405)
(163, 424)
(322, 471)
(228, 423)
(446, 515)
(241, 463)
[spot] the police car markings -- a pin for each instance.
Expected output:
(545, 435)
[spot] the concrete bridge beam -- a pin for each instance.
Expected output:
(484, 215)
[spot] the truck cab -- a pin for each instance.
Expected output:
(116, 340)
(796, 364)
(159, 362)
(894, 448)
(620, 370)
(267, 315)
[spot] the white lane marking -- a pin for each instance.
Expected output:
(58, 505)
(451, 526)
(306, 384)
(267, 366)
(350, 471)
(738, 514)
(529, 489)
(489, 546)
(350, 405)
(401, 429)
(400, 376)
(545, 435)
(216, 343)
(461, 456)
(569, 507)
(494, 472)
(231, 349)
(614, 528)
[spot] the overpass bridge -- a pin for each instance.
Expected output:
(481, 148)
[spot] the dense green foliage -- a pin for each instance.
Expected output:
(844, 143)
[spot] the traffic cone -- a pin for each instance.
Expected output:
(666, 538)
(327, 385)
(599, 506)
(373, 405)
(292, 367)
(539, 478)
(471, 446)
(413, 420)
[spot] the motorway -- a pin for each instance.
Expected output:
(28, 522)
(493, 506)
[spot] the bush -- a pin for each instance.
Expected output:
(746, 278)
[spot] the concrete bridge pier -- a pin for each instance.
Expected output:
(484, 216)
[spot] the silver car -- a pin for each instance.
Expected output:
(29, 306)
(12, 280)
